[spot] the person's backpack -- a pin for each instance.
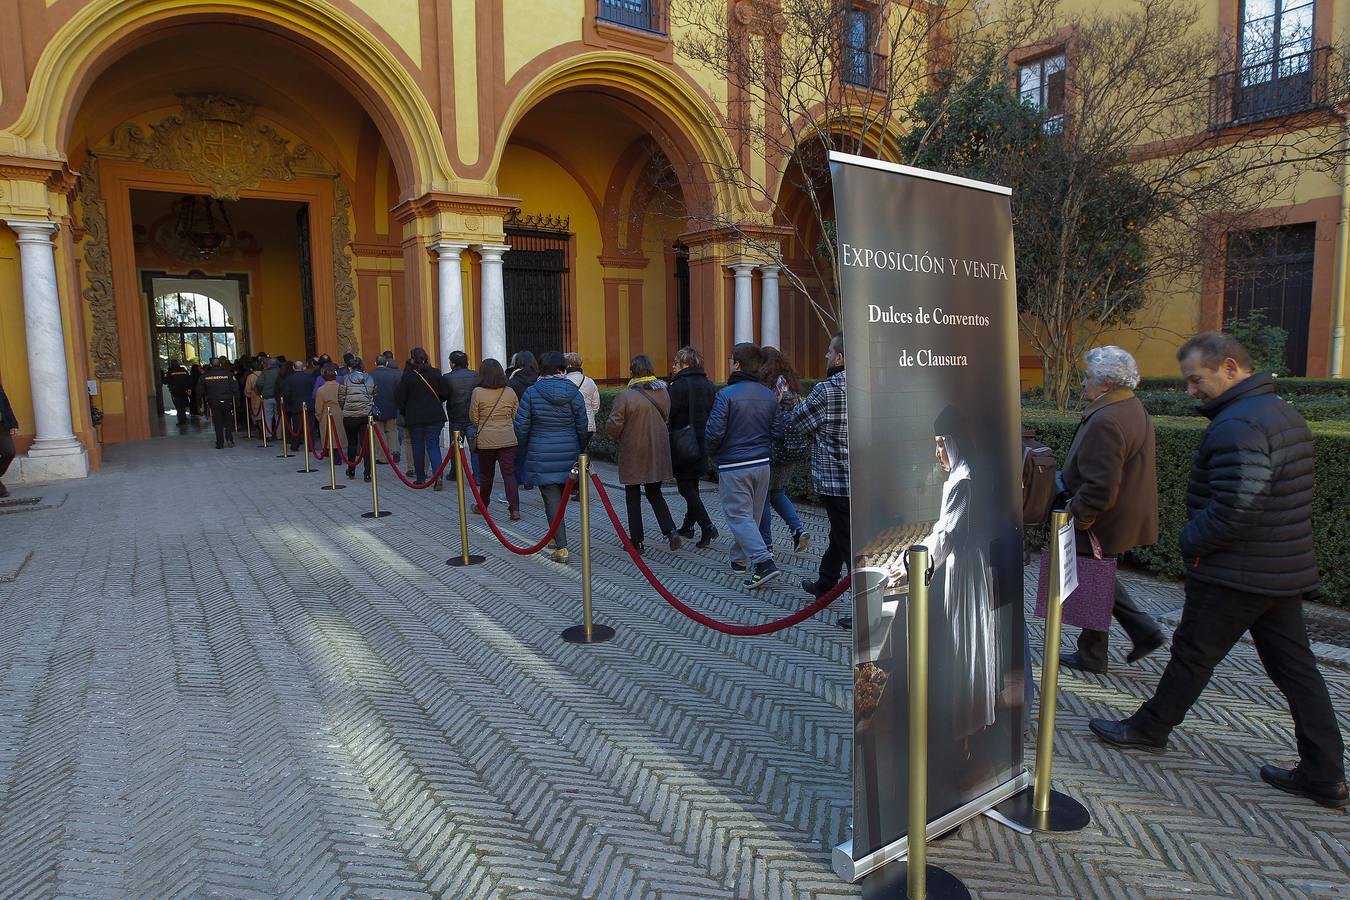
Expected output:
(1039, 489)
(792, 446)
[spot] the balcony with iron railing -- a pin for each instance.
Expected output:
(1271, 89)
(645, 15)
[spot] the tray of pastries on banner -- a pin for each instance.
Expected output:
(887, 550)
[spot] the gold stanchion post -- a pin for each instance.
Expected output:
(285, 433)
(465, 558)
(375, 511)
(332, 458)
(922, 881)
(587, 632)
(1042, 808)
(304, 424)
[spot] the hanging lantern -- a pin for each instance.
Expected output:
(202, 222)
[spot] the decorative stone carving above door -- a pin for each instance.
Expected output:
(217, 141)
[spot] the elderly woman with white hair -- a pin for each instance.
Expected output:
(1111, 477)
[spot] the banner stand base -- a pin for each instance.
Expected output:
(890, 882)
(1065, 813)
(850, 869)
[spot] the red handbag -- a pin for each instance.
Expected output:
(1089, 606)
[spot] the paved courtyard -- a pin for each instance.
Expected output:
(218, 680)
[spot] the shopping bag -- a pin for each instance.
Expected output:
(1089, 606)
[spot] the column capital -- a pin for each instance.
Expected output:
(448, 250)
(770, 270)
(743, 269)
(33, 231)
(491, 252)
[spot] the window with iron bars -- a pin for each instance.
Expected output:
(644, 15)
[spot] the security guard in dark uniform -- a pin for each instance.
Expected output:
(179, 383)
(221, 392)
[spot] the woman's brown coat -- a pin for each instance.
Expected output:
(638, 422)
(1111, 471)
(495, 428)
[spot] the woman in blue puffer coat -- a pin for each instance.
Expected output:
(551, 426)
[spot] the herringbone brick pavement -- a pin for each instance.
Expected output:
(217, 680)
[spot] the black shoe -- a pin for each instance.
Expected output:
(351, 473)
(1125, 734)
(220, 446)
(1142, 650)
(640, 547)
(398, 457)
(845, 622)
(813, 587)
(4, 491)
(1331, 794)
(687, 531)
(740, 568)
(675, 541)
(764, 573)
(367, 477)
(1075, 660)
(705, 540)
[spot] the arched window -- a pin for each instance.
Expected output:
(192, 327)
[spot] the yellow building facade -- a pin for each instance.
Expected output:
(181, 180)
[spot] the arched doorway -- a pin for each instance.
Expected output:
(628, 156)
(301, 175)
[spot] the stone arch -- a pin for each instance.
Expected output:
(104, 30)
(682, 122)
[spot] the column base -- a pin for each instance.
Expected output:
(53, 461)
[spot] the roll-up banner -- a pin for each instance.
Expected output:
(930, 345)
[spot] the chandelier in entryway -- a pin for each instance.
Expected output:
(203, 223)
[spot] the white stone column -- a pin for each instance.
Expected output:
(450, 301)
(768, 307)
(744, 329)
(492, 302)
(56, 452)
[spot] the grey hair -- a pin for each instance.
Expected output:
(1112, 366)
(574, 360)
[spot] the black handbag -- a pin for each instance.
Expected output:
(684, 449)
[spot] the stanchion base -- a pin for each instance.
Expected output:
(285, 455)
(577, 634)
(333, 487)
(1064, 814)
(376, 515)
(891, 882)
(305, 471)
(474, 560)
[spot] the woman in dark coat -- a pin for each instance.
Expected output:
(691, 397)
(421, 401)
(523, 374)
(551, 427)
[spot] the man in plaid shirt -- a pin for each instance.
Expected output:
(823, 416)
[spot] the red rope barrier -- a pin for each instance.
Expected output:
(415, 485)
(342, 455)
(801, 615)
(482, 507)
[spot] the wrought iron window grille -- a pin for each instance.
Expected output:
(1270, 89)
(644, 15)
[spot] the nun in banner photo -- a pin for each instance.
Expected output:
(963, 584)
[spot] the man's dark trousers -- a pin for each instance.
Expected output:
(1212, 621)
(1138, 624)
(834, 562)
(222, 417)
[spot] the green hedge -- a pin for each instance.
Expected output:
(1313, 407)
(1288, 387)
(1178, 439)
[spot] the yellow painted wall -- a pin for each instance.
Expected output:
(530, 28)
(13, 350)
(544, 186)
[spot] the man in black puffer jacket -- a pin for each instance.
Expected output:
(1249, 555)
